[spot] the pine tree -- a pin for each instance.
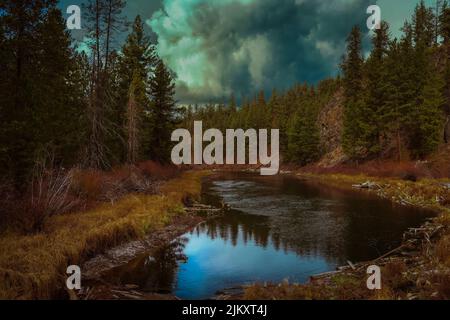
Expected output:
(135, 63)
(399, 96)
(357, 132)
(58, 113)
(41, 97)
(423, 25)
(428, 114)
(377, 87)
(303, 137)
(164, 112)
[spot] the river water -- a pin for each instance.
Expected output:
(278, 228)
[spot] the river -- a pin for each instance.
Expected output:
(277, 228)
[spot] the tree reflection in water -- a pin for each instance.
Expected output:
(277, 228)
(152, 272)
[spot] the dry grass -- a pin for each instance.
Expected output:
(55, 191)
(339, 287)
(33, 266)
(437, 167)
(426, 193)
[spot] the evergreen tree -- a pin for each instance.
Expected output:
(135, 64)
(58, 113)
(358, 131)
(303, 136)
(423, 25)
(41, 101)
(164, 112)
(427, 115)
(377, 88)
(400, 94)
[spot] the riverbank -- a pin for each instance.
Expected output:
(419, 269)
(33, 266)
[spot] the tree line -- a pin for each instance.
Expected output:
(115, 104)
(111, 105)
(396, 101)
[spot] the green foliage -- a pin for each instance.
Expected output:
(113, 106)
(163, 113)
(423, 25)
(359, 133)
(303, 137)
(134, 69)
(428, 116)
(394, 100)
(41, 87)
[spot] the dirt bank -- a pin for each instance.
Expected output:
(33, 266)
(95, 287)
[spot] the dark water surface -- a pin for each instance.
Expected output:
(278, 228)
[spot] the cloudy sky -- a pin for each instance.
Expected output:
(219, 47)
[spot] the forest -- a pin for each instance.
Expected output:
(396, 98)
(117, 104)
(85, 136)
(110, 107)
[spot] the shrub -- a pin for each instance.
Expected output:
(156, 171)
(49, 195)
(88, 183)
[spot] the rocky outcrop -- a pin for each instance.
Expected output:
(330, 124)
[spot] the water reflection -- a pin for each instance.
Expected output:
(153, 272)
(277, 228)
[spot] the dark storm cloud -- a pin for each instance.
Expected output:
(144, 8)
(241, 46)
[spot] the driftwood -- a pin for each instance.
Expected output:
(367, 185)
(412, 240)
(326, 274)
(384, 256)
(203, 208)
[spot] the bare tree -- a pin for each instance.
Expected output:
(133, 121)
(104, 18)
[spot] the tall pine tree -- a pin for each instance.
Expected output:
(134, 67)
(376, 70)
(164, 112)
(358, 131)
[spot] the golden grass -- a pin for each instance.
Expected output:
(33, 266)
(426, 193)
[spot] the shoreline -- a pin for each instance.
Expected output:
(412, 257)
(33, 266)
(410, 250)
(414, 253)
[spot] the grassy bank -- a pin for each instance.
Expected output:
(425, 193)
(423, 273)
(33, 266)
